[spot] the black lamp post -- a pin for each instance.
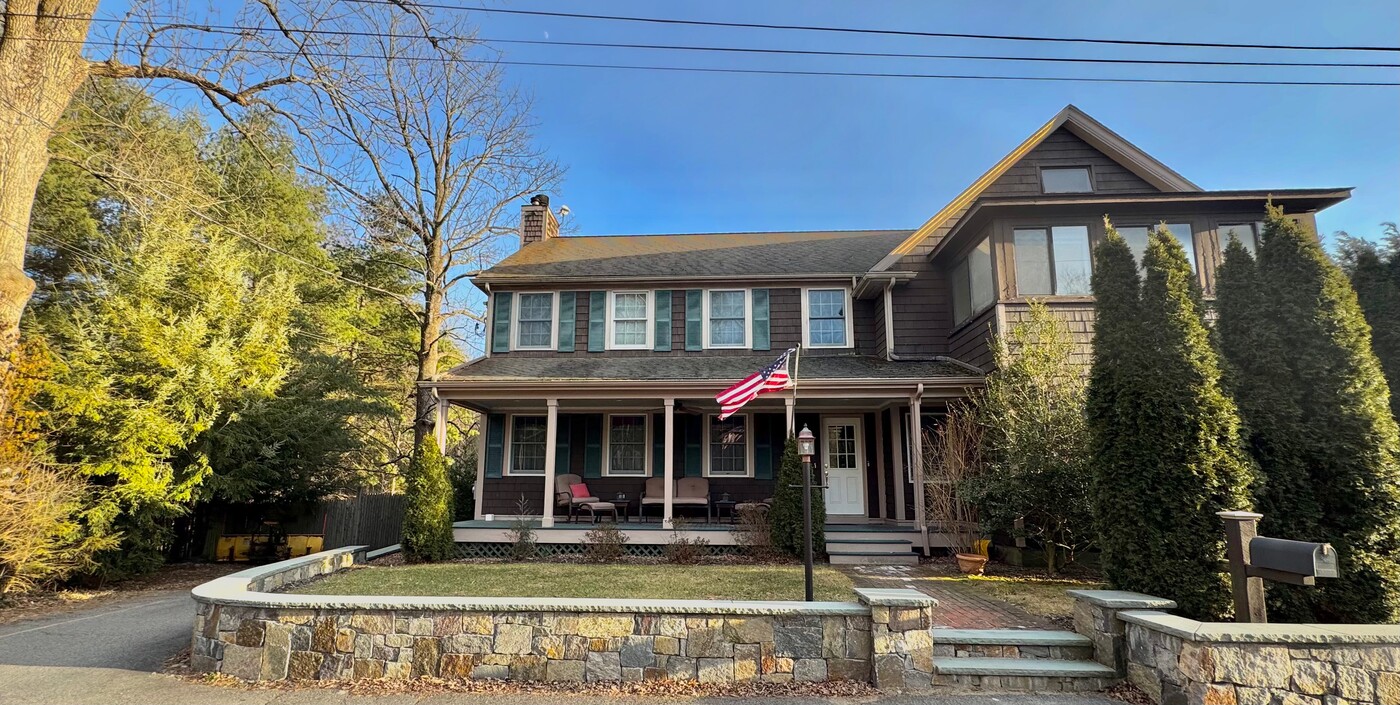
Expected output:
(807, 447)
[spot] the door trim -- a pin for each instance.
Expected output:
(858, 421)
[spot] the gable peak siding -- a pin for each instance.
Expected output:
(1063, 148)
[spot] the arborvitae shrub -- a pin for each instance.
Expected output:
(427, 521)
(785, 517)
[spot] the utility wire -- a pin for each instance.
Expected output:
(861, 30)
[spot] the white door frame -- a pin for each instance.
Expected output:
(858, 421)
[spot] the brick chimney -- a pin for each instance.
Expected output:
(536, 221)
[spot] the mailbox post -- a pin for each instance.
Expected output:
(1254, 558)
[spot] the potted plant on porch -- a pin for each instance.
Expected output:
(952, 456)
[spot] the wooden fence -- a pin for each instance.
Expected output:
(374, 520)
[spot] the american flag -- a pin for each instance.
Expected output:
(772, 378)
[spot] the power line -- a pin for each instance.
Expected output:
(796, 72)
(894, 32)
(239, 29)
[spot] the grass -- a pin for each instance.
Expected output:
(653, 581)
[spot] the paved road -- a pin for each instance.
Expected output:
(111, 654)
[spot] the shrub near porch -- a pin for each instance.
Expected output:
(697, 582)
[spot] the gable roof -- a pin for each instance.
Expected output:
(697, 256)
(1080, 124)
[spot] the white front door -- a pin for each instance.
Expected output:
(843, 464)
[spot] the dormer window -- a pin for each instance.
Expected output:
(1074, 179)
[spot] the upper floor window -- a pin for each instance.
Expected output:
(1074, 179)
(1052, 261)
(1247, 233)
(534, 317)
(973, 289)
(828, 318)
(627, 444)
(726, 318)
(1136, 235)
(629, 321)
(527, 440)
(728, 447)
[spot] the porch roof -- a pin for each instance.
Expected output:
(700, 368)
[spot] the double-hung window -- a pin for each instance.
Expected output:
(629, 320)
(527, 440)
(728, 447)
(1136, 235)
(1247, 233)
(973, 288)
(727, 318)
(828, 318)
(534, 315)
(1053, 261)
(627, 444)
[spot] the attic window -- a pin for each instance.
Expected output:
(1066, 180)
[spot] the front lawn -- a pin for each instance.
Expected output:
(652, 581)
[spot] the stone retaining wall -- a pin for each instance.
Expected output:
(249, 634)
(1182, 661)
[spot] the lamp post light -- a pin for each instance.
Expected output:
(807, 447)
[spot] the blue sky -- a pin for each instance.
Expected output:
(653, 152)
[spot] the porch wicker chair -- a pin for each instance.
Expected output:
(564, 496)
(693, 492)
(653, 495)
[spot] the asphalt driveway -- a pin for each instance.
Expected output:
(113, 653)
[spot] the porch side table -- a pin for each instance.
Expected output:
(723, 505)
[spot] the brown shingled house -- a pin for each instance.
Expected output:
(605, 353)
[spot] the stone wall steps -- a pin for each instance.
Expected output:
(1010, 637)
(1045, 668)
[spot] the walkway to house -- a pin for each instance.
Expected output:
(959, 607)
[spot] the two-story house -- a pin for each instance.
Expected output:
(604, 354)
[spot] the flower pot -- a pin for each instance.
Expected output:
(971, 563)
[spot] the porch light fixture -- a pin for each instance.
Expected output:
(806, 444)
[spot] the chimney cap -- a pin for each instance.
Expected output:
(539, 199)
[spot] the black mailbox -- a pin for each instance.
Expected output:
(1269, 557)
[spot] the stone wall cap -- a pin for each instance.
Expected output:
(1235, 633)
(1122, 599)
(894, 597)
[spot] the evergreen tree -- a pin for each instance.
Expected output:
(427, 521)
(1167, 452)
(1319, 420)
(1375, 274)
(785, 516)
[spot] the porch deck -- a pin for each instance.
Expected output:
(653, 533)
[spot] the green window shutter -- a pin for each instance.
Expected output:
(500, 323)
(568, 312)
(495, 444)
(694, 332)
(694, 427)
(561, 446)
(764, 438)
(597, 320)
(760, 319)
(661, 311)
(658, 444)
(592, 445)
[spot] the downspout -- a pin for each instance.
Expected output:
(889, 320)
(490, 320)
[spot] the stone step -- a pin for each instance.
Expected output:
(872, 558)
(1011, 644)
(1044, 668)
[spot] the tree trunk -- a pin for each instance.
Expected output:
(425, 406)
(41, 66)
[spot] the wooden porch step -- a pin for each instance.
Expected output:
(872, 558)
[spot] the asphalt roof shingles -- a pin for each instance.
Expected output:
(851, 252)
(729, 368)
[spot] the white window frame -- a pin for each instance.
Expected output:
(553, 321)
(646, 447)
(807, 320)
(509, 464)
(650, 320)
(748, 447)
(748, 320)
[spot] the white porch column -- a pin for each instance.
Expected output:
(480, 488)
(669, 461)
(897, 433)
(916, 455)
(790, 406)
(440, 426)
(551, 437)
(880, 461)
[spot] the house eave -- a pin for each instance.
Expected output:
(488, 280)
